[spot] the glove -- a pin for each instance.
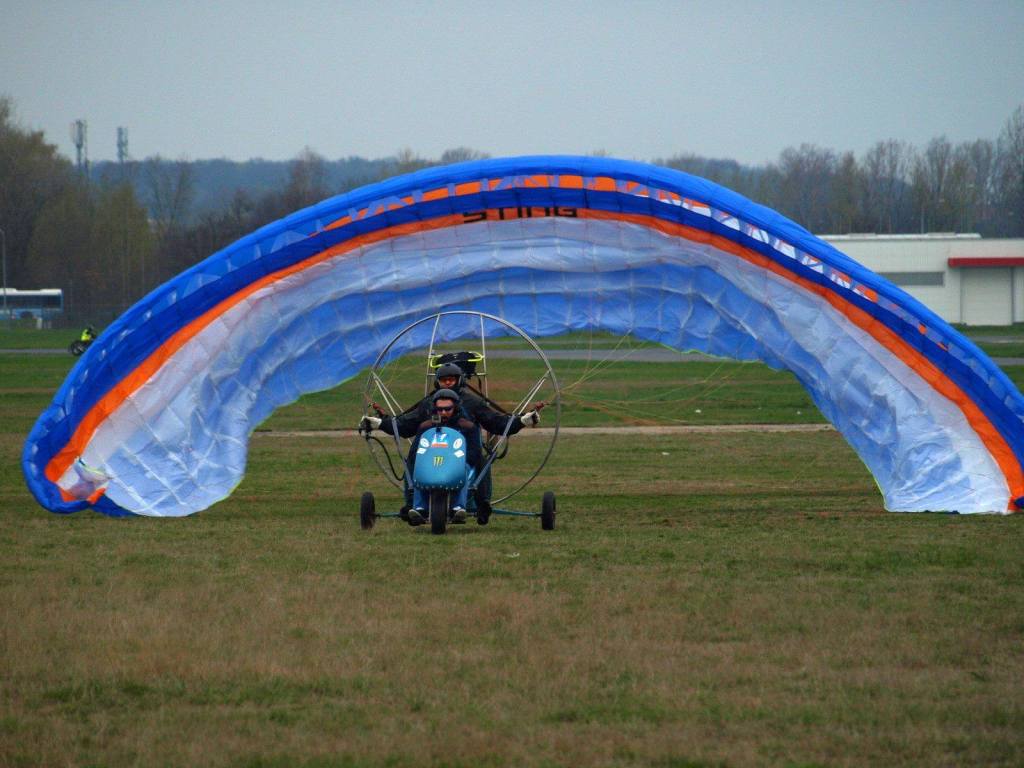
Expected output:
(369, 423)
(530, 419)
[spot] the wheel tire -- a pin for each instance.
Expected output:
(547, 511)
(367, 511)
(76, 348)
(438, 511)
(483, 507)
(483, 512)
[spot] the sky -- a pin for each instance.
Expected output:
(638, 80)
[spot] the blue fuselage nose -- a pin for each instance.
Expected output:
(440, 459)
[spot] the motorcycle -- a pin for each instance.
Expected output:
(79, 345)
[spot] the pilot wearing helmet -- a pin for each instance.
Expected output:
(446, 413)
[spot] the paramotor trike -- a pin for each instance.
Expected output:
(430, 461)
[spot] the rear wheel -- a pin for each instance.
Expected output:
(438, 511)
(547, 511)
(367, 511)
(76, 347)
(483, 512)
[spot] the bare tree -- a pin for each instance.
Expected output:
(171, 189)
(461, 154)
(847, 206)
(884, 171)
(931, 177)
(307, 180)
(805, 185)
(407, 161)
(958, 210)
(979, 158)
(752, 182)
(1010, 174)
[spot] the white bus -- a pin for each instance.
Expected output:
(40, 304)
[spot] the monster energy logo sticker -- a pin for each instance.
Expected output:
(438, 461)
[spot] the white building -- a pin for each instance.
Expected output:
(962, 278)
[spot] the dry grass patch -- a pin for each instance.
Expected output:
(685, 612)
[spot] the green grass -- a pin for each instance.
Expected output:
(706, 600)
(1009, 348)
(13, 337)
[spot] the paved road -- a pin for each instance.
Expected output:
(647, 355)
(987, 339)
(642, 355)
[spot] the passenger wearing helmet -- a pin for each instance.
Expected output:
(449, 376)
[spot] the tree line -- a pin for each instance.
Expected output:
(109, 237)
(893, 188)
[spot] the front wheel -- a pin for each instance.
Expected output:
(76, 347)
(367, 511)
(547, 511)
(438, 511)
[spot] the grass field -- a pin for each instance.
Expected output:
(30, 338)
(706, 600)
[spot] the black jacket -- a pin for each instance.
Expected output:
(471, 407)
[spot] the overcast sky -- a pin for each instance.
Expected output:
(641, 80)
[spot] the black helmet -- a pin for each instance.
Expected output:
(449, 369)
(445, 394)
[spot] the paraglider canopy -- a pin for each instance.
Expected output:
(156, 417)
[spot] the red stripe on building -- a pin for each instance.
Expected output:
(986, 261)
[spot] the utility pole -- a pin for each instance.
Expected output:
(79, 137)
(122, 146)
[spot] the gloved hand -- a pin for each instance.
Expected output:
(369, 423)
(530, 419)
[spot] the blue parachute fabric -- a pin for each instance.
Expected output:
(596, 251)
